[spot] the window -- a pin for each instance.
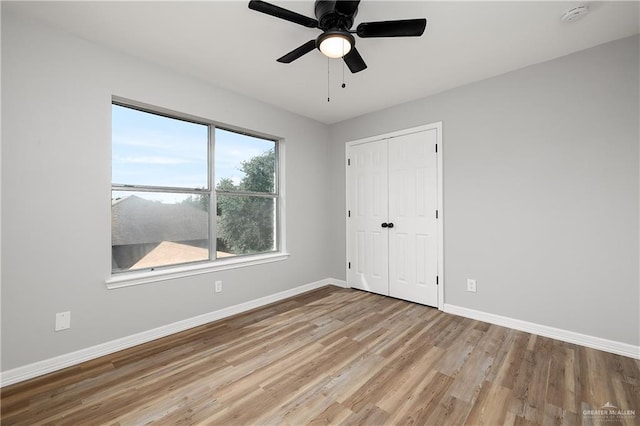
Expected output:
(187, 192)
(246, 197)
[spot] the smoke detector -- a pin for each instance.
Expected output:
(574, 14)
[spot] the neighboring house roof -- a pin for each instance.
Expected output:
(135, 220)
(169, 253)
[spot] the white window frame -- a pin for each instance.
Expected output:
(171, 272)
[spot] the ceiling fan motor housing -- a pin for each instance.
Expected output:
(330, 18)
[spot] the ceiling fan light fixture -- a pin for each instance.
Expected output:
(335, 43)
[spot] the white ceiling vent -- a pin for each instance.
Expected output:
(574, 14)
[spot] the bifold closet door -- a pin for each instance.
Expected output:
(413, 196)
(367, 191)
(392, 224)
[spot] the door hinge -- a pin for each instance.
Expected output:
(437, 280)
(349, 265)
(348, 161)
(436, 214)
(348, 213)
(436, 147)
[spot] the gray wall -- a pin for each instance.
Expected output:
(541, 190)
(56, 181)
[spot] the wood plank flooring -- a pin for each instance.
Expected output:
(338, 356)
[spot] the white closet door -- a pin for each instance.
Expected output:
(367, 194)
(413, 242)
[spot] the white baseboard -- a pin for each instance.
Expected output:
(338, 283)
(606, 345)
(67, 360)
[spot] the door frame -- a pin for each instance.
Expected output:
(437, 126)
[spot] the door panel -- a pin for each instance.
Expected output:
(412, 206)
(367, 194)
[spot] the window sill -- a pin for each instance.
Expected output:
(129, 279)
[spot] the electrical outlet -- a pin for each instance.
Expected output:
(63, 321)
(218, 286)
(471, 285)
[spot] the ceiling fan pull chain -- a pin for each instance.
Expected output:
(343, 66)
(328, 83)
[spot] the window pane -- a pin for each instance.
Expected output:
(245, 225)
(149, 149)
(244, 163)
(150, 229)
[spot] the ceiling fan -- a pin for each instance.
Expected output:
(335, 19)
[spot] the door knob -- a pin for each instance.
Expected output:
(390, 224)
(384, 225)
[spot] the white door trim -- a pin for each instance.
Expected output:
(440, 188)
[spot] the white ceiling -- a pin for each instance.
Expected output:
(229, 45)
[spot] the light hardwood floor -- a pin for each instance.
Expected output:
(337, 356)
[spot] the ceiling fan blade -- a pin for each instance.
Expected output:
(279, 12)
(347, 7)
(400, 28)
(354, 61)
(296, 53)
